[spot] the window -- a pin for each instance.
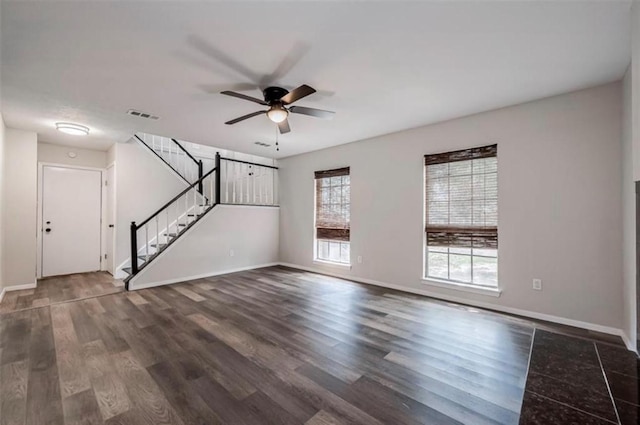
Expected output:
(333, 197)
(461, 194)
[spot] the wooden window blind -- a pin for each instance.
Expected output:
(333, 197)
(462, 198)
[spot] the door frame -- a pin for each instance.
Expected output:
(40, 226)
(105, 222)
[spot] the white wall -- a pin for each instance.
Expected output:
(111, 154)
(57, 154)
(559, 204)
(2, 198)
(251, 232)
(635, 71)
(628, 216)
(143, 185)
(19, 208)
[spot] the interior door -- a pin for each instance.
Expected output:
(71, 210)
(110, 218)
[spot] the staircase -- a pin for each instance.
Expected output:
(229, 181)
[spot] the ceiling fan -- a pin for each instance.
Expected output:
(278, 101)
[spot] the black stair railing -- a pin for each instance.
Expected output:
(154, 234)
(174, 155)
(231, 181)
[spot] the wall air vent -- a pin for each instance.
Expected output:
(140, 114)
(264, 145)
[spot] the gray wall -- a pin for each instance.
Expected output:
(143, 184)
(251, 232)
(559, 205)
(628, 215)
(2, 201)
(19, 208)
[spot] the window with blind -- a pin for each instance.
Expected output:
(333, 197)
(461, 232)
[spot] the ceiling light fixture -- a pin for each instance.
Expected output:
(74, 129)
(277, 113)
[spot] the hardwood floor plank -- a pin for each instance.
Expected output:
(15, 337)
(109, 387)
(13, 392)
(189, 294)
(82, 409)
(44, 402)
(323, 418)
(74, 377)
(184, 399)
(145, 395)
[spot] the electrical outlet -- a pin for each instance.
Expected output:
(231, 253)
(359, 259)
(537, 284)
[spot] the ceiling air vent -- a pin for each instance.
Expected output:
(140, 114)
(265, 145)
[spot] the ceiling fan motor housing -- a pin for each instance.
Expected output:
(273, 94)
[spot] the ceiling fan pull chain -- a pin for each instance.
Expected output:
(277, 145)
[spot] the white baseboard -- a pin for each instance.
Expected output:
(17, 288)
(132, 286)
(495, 307)
(21, 287)
(627, 341)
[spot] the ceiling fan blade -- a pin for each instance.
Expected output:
(243, 96)
(244, 117)
(297, 94)
(284, 127)
(318, 113)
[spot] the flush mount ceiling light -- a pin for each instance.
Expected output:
(74, 129)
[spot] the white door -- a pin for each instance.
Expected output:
(71, 208)
(111, 218)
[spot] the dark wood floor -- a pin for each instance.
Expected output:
(270, 346)
(58, 289)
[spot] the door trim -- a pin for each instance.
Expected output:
(39, 225)
(105, 224)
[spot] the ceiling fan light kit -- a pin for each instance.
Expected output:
(278, 101)
(277, 113)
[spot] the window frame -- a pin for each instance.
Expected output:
(341, 262)
(451, 283)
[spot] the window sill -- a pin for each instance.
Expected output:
(492, 292)
(330, 264)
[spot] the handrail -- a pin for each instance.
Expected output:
(161, 158)
(175, 198)
(247, 162)
(185, 151)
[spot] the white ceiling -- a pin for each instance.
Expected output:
(383, 66)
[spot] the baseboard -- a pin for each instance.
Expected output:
(17, 288)
(132, 286)
(473, 303)
(628, 343)
(21, 287)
